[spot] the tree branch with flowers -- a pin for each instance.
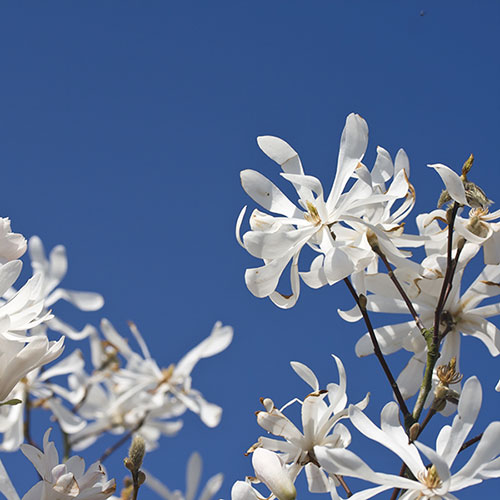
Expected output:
(357, 234)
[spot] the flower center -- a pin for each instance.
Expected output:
(430, 478)
(312, 214)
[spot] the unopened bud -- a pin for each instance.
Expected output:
(372, 240)
(136, 454)
(362, 301)
(467, 166)
(414, 432)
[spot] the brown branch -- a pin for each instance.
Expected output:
(408, 418)
(122, 440)
(470, 442)
(400, 289)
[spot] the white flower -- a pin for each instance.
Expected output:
(269, 469)
(143, 373)
(12, 245)
(335, 228)
(53, 271)
(17, 359)
(320, 421)
(193, 476)
(65, 481)
(430, 483)
(462, 315)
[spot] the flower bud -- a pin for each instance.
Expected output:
(136, 454)
(270, 471)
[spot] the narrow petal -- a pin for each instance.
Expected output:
(452, 181)
(352, 149)
(306, 374)
(266, 194)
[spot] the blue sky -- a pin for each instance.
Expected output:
(123, 129)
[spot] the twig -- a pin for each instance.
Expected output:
(400, 289)
(408, 418)
(448, 277)
(342, 482)
(396, 491)
(122, 440)
(470, 442)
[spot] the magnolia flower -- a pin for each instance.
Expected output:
(12, 245)
(430, 482)
(143, 373)
(40, 388)
(53, 271)
(65, 481)
(320, 421)
(462, 314)
(269, 470)
(193, 476)
(17, 359)
(336, 227)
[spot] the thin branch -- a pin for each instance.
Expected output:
(27, 419)
(121, 441)
(342, 482)
(400, 289)
(378, 353)
(396, 491)
(432, 337)
(448, 277)
(470, 442)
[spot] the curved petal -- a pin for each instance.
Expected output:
(352, 149)
(266, 194)
(452, 181)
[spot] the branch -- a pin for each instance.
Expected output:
(432, 336)
(400, 289)
(122, 440)
(408, 418)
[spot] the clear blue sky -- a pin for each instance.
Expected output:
(123, 128)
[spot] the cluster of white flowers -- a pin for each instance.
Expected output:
(123, 393)
(359, 235)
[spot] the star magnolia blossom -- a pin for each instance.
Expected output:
(193, 476)
(39, 386)
(343, 248)
(65, 481)
(143, 373)
(53, 271)
(320, 421)
(431, 483)
(12, 245)
(17, 359)
(462, 314)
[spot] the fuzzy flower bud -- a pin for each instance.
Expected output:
(136, 454)
(270, 471)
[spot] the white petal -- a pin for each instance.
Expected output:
(193, 474)
(452, 181)
(266, 194)
(468, 408)
(218, 340)
(212, 487)
(6, 486)
(243, 491)
(306, 374)
(352, 149)
(270, 471)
